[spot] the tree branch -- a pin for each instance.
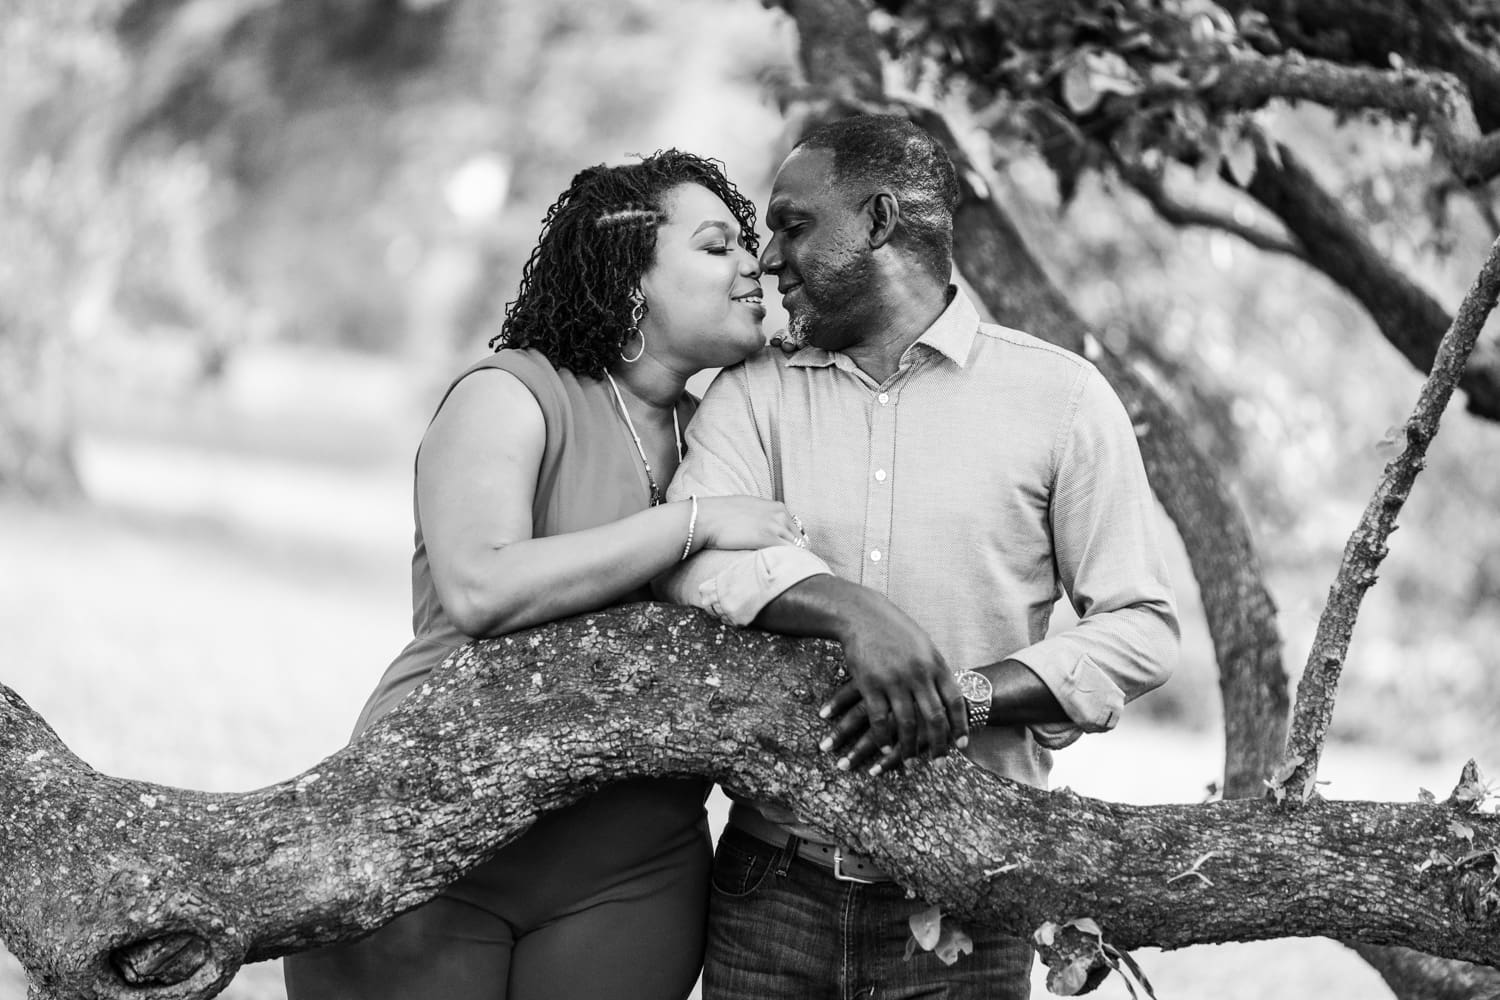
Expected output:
(1433, 98)
(1153, 189)
(115, 889)
(1367, 546)
(1425, 33)
(1411, 319)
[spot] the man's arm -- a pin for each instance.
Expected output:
(901, 699)
(1110, 562)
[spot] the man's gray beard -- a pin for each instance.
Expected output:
(798, 329)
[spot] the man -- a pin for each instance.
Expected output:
(953, 477)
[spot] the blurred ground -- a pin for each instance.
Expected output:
(216, 618)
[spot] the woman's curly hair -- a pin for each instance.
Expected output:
(597, 241)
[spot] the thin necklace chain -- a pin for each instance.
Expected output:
(656, 497)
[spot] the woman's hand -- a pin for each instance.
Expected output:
(742, 522)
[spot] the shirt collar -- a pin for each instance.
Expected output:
(951, 335)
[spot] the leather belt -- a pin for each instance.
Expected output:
(845, 865)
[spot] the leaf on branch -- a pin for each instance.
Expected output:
(1392, 443)
(1435, 859)
(1094, 74)
(1255, 28)
(953, 944)
(1045, 934)
(926, 927)
(1309, 788)
(1075, 955)
(944, 938)
(1472, 789)
(1088, 925)
(1240, 158)
(1462, 830)
(1078, 88)
(1070, 979)
(1278, 779)
(1167, 75)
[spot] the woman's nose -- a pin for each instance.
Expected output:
(750, 266)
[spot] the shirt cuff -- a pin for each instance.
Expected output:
(1089, 695)
(738, 593)
(1055, 735)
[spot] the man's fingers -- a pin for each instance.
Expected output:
(845, 698)
(878, 711)
(933, 723)
(958, 712)
(864, 750)
(846, 727)
(890, 760)
(905, 714)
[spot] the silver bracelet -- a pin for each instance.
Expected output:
(687, 547)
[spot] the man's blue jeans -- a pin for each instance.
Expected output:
(782, 928)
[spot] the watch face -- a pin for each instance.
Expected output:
(975, 686)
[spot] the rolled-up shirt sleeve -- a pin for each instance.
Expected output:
(1110, 562)
(726, 456)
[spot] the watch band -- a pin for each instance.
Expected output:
(977, 692)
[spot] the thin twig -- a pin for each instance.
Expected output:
(1367, 546)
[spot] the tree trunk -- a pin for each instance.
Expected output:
(113, 888)
(36, 417)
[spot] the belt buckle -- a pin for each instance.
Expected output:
(838, 869)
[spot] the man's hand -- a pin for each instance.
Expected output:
(901, 700)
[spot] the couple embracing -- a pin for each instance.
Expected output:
(893, 473)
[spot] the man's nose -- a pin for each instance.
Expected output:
(770, 258)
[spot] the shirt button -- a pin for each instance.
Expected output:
(884, 398)
(880, 475)
(874, 555)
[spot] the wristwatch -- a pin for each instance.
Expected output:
(977, 692)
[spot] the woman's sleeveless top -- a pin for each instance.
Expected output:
(591, 474)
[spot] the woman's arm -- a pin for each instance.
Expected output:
(476, 480)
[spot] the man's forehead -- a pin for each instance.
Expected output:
(805, 174)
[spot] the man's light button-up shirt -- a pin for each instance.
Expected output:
(1013, 475)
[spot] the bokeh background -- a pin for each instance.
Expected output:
(235, 305)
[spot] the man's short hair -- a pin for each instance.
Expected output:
(886, 151)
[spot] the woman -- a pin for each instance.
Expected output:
(539, 490)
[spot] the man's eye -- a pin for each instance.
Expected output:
(719, 251)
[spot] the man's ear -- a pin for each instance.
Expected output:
(883, 213)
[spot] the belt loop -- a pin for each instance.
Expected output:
(784, 863)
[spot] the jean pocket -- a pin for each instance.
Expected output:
(741, 864)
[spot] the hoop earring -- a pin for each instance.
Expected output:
(630, 360)
(637, 313)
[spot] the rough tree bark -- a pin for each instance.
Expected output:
(115, 889)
